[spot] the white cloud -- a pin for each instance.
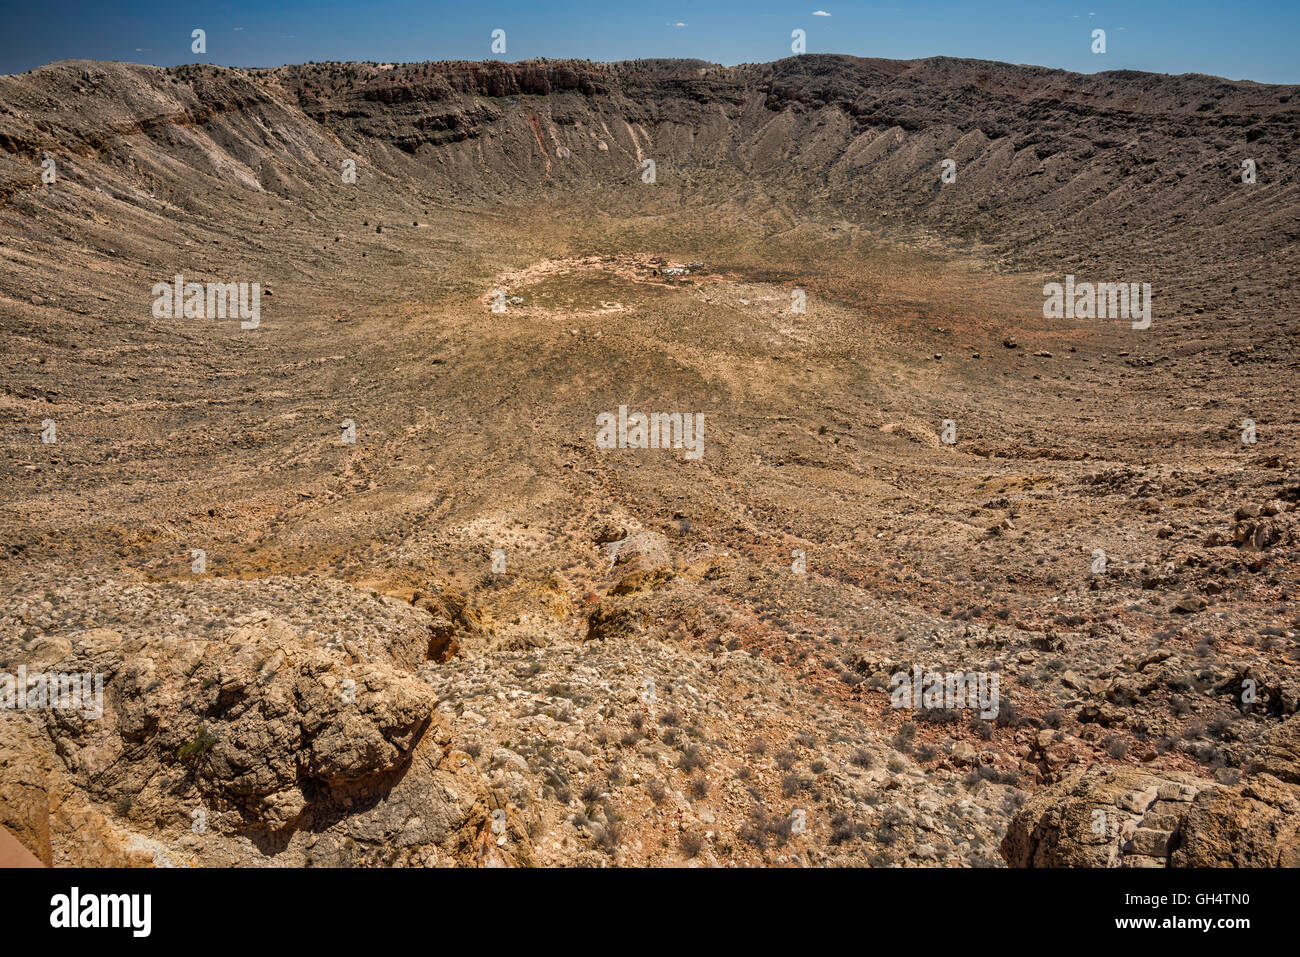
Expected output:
(677, 24)
(820, 13)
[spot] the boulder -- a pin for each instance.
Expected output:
(265, 735)
(1102, 816)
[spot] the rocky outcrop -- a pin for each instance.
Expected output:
(615, 618)
(1280, 754)
(1259, 526)
(640, 551)
(262, 743)
(1254, 825)
(1101, 816)
(867, 131)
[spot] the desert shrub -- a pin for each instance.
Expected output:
(692, 759)
(200, 745)
(904, 739)
(844, 829)
(936, 716)
(1007, 716)
(752, 834)
(692, 842)
(606, 836)
(779, 828)
(987, 772)
(563, 793)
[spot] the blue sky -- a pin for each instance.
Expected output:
(1254, 40)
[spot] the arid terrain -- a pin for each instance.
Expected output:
(365, 590)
